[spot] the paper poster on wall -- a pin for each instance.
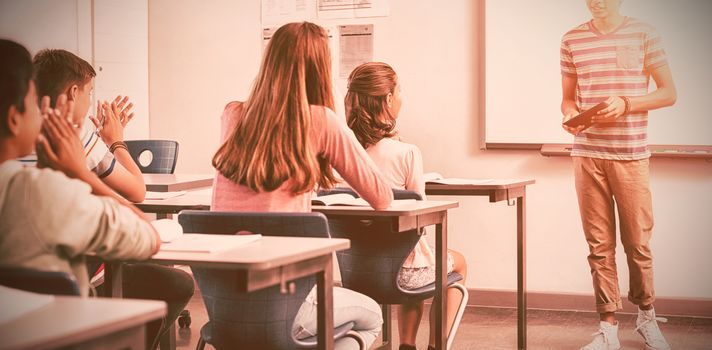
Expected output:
(355, 47)
(327, 9)
(267, 33)
(284, 11)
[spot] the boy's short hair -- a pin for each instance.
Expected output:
(15, 76)
(56, 70)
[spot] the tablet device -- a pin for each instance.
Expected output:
(584, 118)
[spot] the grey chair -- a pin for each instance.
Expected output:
(43, 282)
(261, 319)
(372, 264)
(164, 155)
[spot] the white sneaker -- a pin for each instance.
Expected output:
(647, 326)
(605, 339)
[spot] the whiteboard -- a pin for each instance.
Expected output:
(523, 78)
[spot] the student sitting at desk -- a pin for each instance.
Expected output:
(281, 143)
(51, 216)
(372, 104)
(62, 72)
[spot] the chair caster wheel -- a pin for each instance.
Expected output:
(184, 319)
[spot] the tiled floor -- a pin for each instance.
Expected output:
(496, 328)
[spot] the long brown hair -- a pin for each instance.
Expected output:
(271, 144)
(367, 111)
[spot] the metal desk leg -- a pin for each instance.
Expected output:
(521, 273)
(440, 300)
(325, 306)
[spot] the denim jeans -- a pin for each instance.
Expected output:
(348, 306)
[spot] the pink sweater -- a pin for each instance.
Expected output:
(331, 139)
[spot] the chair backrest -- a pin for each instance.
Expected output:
(261, 319)
(164, 155)
(376, 255)
(44, 282)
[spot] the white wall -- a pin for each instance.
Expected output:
(110, 35)
(201, 57)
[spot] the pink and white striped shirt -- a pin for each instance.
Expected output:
(614, 64)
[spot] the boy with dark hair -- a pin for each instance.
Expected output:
(52, 215)
(37, 230)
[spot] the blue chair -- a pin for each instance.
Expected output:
(164, 155)
(44, 282)
(262, 319)
(372, 264)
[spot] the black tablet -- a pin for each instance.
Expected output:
(584, 118)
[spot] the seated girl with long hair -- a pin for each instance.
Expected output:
(282, 143)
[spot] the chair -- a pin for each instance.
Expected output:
(372, 264)
(261, 319)
(44, 282)
(164, 155)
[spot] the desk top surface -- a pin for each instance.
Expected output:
(495, 184)
(176, 182)
(71, 320)
(265, 253)
(409, 209)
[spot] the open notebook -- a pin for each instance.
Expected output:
(436, 178)
(347, 199)
(206, 243)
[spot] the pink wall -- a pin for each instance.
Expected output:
(202, 57)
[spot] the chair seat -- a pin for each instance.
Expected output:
(429, 289)
(206, 333)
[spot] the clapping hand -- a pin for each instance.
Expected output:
(111, 118)
(58, 145)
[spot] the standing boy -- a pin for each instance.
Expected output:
(610, 59)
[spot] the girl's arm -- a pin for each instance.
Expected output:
(340, 147)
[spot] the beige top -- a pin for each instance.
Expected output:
(49, 222)
(402, 165)
(334, 141)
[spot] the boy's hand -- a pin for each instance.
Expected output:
(615, 109)
(111, 118)
(58, 146)
(573, 131)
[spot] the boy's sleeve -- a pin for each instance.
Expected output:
(654, 52)
(77, 222)
(99, 159)
(566, 60)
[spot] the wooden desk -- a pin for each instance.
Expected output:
(176, 182)
(408, 217)
(267, 262)
(499, 190)
(91, 323)
(194, 199)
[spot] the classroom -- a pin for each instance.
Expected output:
(479, 93)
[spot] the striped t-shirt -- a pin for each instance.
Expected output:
(613, 64)
(98, 157)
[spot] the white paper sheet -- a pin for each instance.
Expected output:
(15, 303)
(355, 47)
(206, 243)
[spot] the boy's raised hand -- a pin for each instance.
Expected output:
(111, 119)
(58, 145)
